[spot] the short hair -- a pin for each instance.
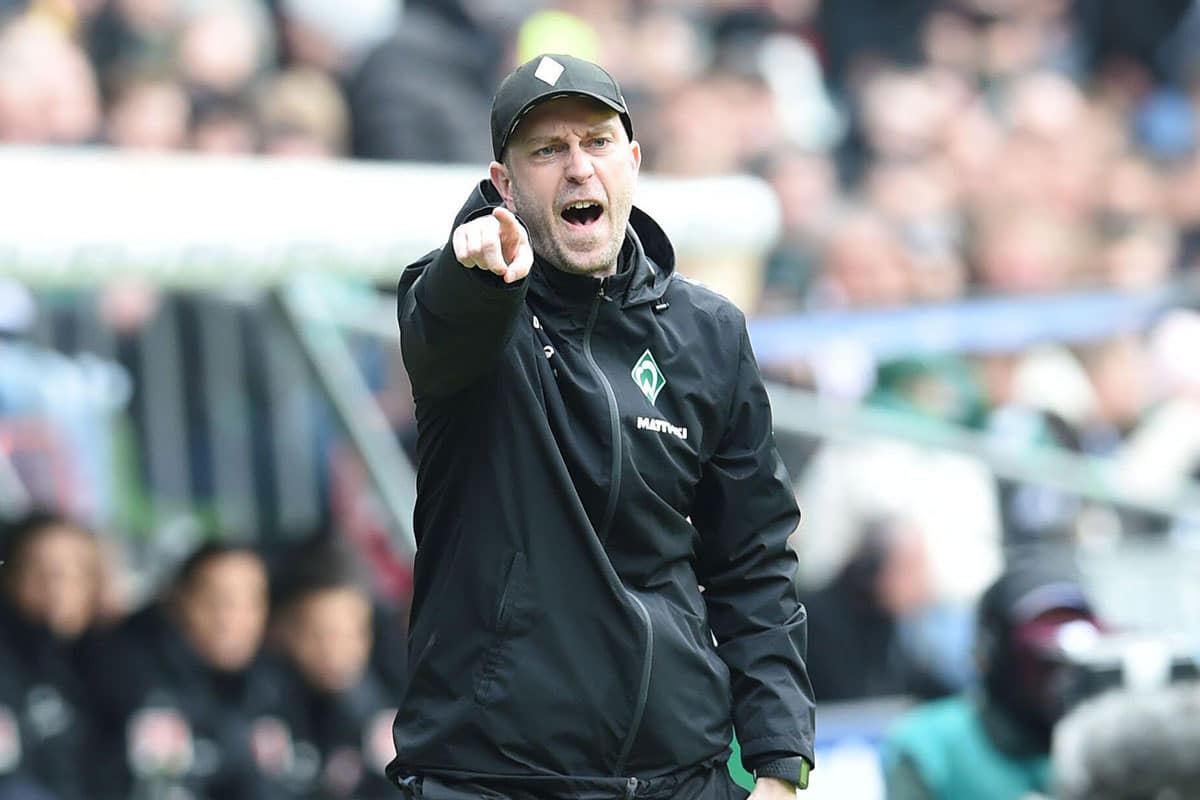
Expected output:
(207, 552)
(318, 563)
(1131, 745)
(18, 533)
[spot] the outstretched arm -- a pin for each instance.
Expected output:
(457, 316)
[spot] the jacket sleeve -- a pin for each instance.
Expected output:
(454, 321)
(745, 511)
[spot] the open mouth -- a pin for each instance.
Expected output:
(582, 213)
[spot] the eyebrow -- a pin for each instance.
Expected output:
(604, 127)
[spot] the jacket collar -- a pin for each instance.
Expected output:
(640, 278)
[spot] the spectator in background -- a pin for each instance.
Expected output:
(1040, 399)
(224, 125)
(1162, 454)
(862, 265)
(48, 91)
(334, 36)
(50, 577)
(134, 34)
(994, 744)
(1027, 251)
(1183, 205)
(395, 112)
(1119, 375)
(324, 628)
(303, 114)
(857, 33)
(917, 199)
(224, 47)
(806, 185)
(147, 110)
(1130, 745)
(856, 648)
(950, 496)
(1137, 255)
(185, 698)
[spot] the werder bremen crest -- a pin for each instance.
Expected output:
(648, 377)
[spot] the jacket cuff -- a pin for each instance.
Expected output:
(794, 770)
(760, 751)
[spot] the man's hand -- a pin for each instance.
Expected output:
(773, 789)
(497, 243)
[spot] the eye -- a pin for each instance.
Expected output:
(600, 142)
(545, 152)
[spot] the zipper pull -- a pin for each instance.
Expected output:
(631, 787)
(602, 295)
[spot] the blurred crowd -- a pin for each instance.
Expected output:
(248, 674)
(921, 149)
(925, 154)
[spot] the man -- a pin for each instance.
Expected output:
(189, 706)
(995, 744)
(857, 631)
(594, 446)
(322, 623)
(50, 576)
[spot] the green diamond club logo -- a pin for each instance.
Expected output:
(648, 377)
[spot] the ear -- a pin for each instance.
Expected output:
(503, 183)
(635, 151)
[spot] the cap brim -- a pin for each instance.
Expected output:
(537, 101)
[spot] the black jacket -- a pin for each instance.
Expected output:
(566, 522)
(350, 733)
(45, 725)
(238, 727)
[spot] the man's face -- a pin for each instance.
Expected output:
(569, 173)
(328, 636)
(224, 610)
(57, 580)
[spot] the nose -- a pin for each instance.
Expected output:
(579, 167)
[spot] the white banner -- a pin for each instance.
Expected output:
(76, 217)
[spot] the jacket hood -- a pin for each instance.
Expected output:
(654, 259)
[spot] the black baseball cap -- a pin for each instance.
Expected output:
(545, 78)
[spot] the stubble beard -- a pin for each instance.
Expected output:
(541, 222)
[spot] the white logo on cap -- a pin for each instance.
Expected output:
(548, 70)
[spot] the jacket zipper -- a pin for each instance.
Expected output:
(609, 512)
(614, 422)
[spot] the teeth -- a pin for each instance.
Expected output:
(581, 204)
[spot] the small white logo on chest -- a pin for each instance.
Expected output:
(660, 426)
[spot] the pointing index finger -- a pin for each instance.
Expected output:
(509, 226)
